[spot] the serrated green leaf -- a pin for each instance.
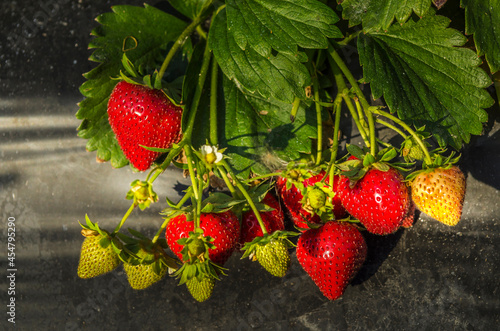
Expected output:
(190, 8)
(427, 79)
(376, 15)
(152, 30)
(281, 25)
(260, 137)
(482, 19)
(281, 76)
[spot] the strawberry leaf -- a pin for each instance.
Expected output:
(427, 79)
(482, 19)
(190, 8)
(281, 25)
(376, 15)
(280, 76)
(145, 42)
(261, 138)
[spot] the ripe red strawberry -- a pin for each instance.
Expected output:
(273, 221)
(379, 200)
(224, 228)
(332, 255)
(138, 116)
(440, 193)
(292, 199)
(409, 218)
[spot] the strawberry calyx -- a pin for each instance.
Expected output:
(196, 246)
(91, 229)
(216, 202)
(197, 267)
(142, 193)
(361, 161)
(137, 76)
(250, 248)
(297, 173)
(140, 250)
(438, 160)
(347, 219)
(317, 199)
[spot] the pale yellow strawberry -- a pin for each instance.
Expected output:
(202, 289)
(440, 194)
(142, 276)
(97, 256)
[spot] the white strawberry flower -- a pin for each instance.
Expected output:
(210, 154)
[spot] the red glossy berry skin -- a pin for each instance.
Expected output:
(379, 200)
(273, 221)
(138, 116)
(409, 218)
(223, 227)
(332, 255)
(292, 200)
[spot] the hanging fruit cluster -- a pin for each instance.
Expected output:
(230, 96)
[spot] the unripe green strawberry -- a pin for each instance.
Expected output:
(274, 257)
(316, 198)
(141, 276)
(97, 256)
(202, 289)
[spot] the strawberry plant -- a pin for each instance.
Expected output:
(264, 96)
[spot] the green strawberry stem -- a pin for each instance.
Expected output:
(319, 124)
(170, 156)
(266, 176)
(201, 32)
(213, 102)
(343, 90)
(246, 195)
(354, 84)
(154, 170)
(358, 120)
(360, 114)
(192, 175)
(127, 214)
(348, 38)
(337, 110)
(196, 186)
(392, 127)
(158, 233)
(229, 185)
(198, 201)
(179, 204)
(319, 121)
(179, 42)
(186, 138)
(378, 111)
(197, 95)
